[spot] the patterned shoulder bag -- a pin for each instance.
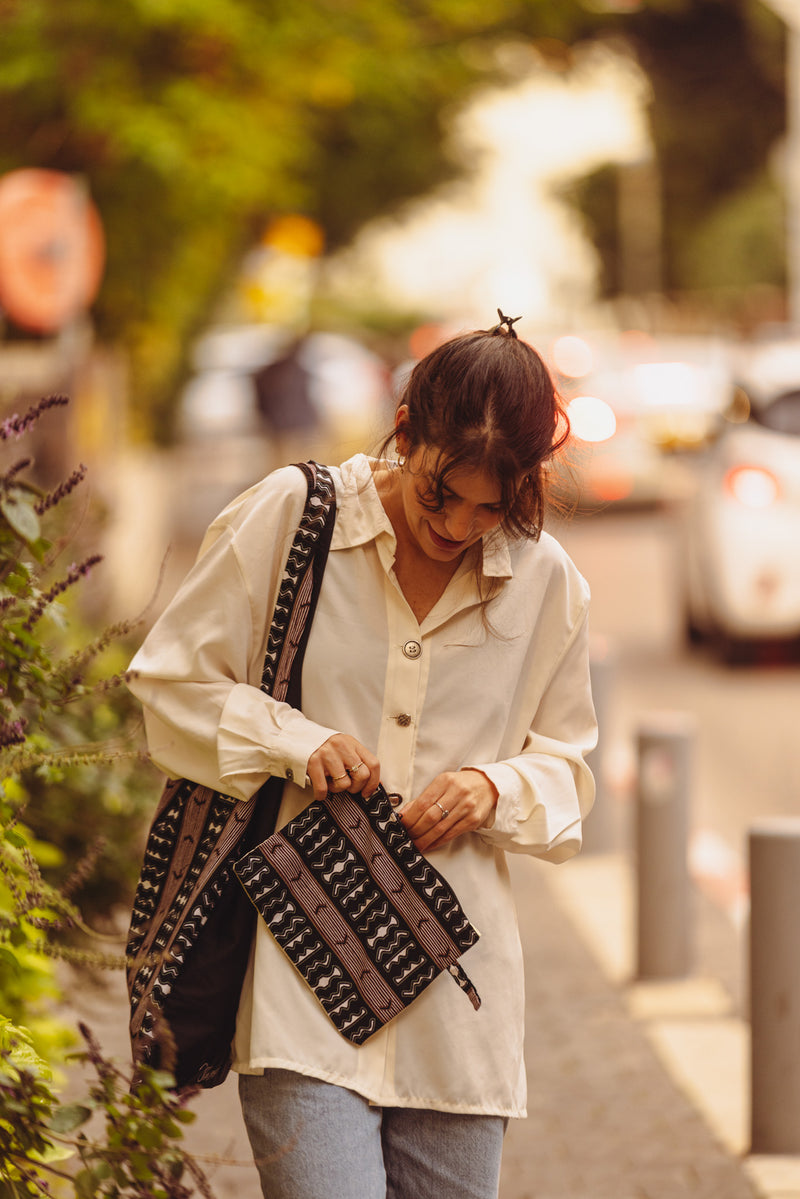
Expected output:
(192, 926)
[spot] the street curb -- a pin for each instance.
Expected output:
(702, 1044)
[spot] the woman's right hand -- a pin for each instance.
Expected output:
(343, 764)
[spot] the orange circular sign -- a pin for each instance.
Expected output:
(52, 249)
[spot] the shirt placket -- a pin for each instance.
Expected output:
(407, 667)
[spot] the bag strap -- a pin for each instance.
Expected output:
(300, 588)
(186, 895)
(288, 637)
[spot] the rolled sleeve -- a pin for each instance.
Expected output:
(197, 674)
(258, 737)
(545, 792)
(542, 801)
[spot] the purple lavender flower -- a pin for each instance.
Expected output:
(12, 732)
(16, 425)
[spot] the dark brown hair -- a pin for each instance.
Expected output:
(487, 402)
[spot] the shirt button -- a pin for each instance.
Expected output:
(412, 649)
(289, 773)
(404, 720)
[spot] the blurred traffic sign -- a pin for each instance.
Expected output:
(52, 249)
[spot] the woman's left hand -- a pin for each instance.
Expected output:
(457, 802)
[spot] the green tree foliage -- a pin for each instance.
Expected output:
(716, 68)
(739, 243)
(196, 121)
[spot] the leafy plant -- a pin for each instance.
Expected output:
(30, 682)
(63, 714)
(52, 694)
(135, 1151)
(29, 911)
(27, 1105)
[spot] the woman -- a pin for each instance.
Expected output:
(447, 660)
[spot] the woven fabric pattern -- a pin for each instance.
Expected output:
(187, 826)
(362, 914)
(197, 832)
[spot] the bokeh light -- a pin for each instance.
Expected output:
(572, 357)
(591, 419)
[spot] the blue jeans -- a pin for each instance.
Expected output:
(312, 1140)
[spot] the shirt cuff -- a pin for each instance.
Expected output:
(522, 824)
(507, 783)
(260, 737)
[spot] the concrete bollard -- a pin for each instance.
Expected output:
(774, 851)
(599, 832)
(665, 749)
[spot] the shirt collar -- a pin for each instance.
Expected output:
(360, 517)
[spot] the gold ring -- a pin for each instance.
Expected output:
(353, 769)
(444, 811)
(337, 778)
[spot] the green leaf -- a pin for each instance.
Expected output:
(148, 1137)
(52, 1154)
(162, 1079)
(85, 1185)
(69, 1117)
(8, 959)
(18, 511)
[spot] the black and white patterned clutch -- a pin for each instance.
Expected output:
(362, 914)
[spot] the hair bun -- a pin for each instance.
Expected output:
(506, 324)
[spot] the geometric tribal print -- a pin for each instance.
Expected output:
(209, 812)
(364, 917)
(188, 944)
(191, 820)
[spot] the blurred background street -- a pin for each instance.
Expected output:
(226, 235)
(747, 763)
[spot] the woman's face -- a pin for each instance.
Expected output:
(472, 505)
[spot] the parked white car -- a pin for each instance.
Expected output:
(639, 412)
(742, 527)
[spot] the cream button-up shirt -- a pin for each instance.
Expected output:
(502, 687)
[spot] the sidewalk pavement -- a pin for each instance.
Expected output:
(636, 1090)
(610, 1115)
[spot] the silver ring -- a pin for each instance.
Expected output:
(337, 778)
(354, 769)
(444, 811)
